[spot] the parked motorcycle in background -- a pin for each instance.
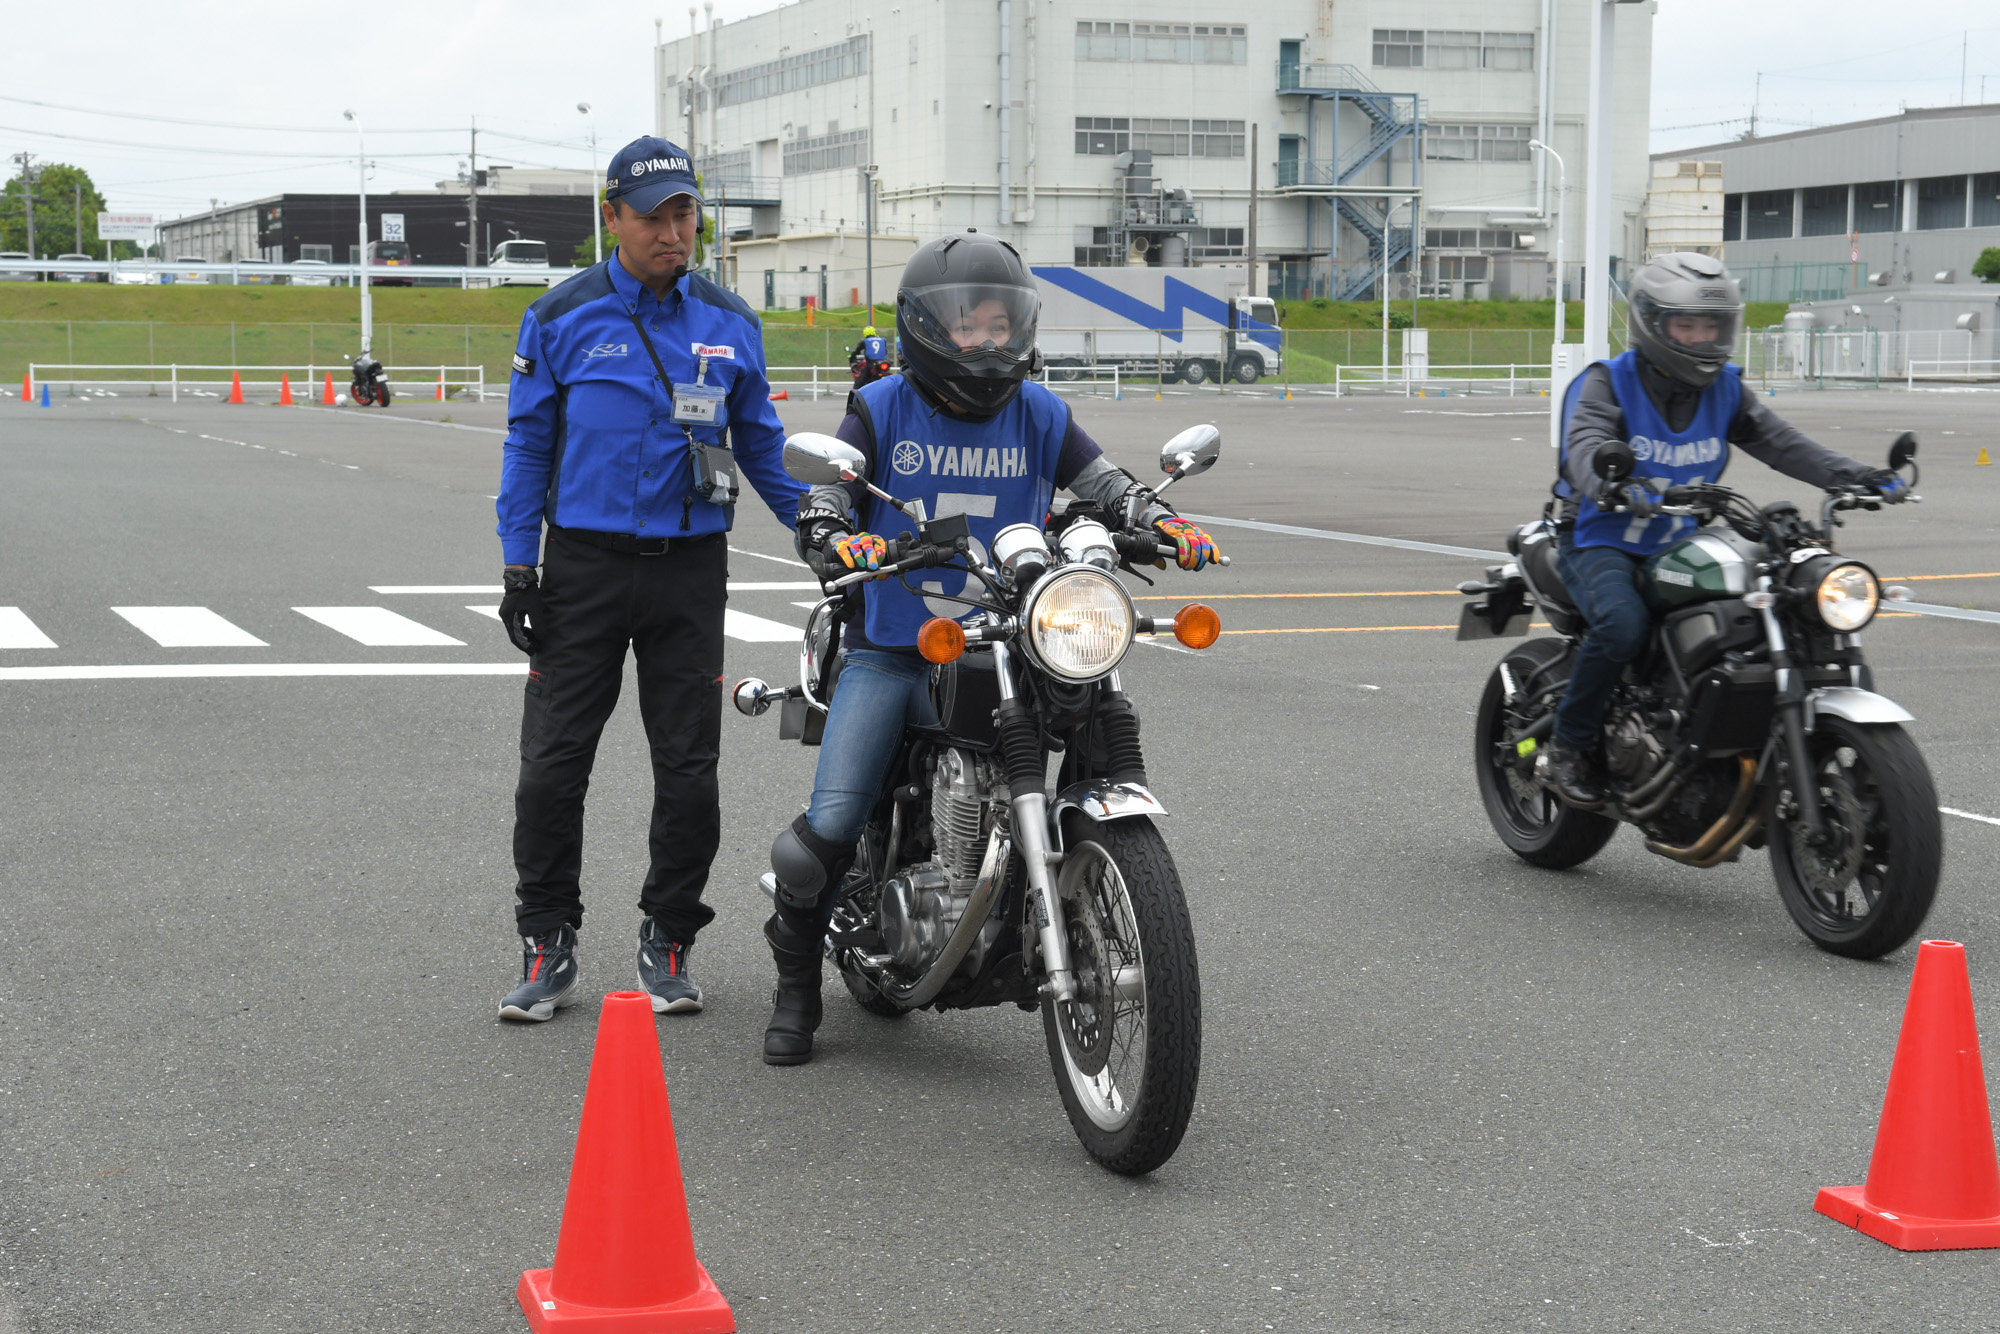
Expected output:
(371, 382)
(973, 885)
(1750, 721)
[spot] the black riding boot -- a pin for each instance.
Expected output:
(795, 1013)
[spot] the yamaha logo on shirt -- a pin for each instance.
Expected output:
(958, 460)
(1669, 455)
(605, 350)
(907, 457)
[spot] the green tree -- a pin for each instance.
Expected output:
(61, 191)
(1987, 267)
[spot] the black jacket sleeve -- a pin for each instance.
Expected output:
(1597, 421)
(1772, 440)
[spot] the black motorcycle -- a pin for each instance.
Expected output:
(973, 885)
(1750, 721)
(371, 382)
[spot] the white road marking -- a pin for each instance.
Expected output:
(1968, 815)
(378, 627)
(494, 612)
(1950, 613)
(451, 589)
(188, 627)
(17, 631)
(807, 585)
(757, 630)
(782, 560)
(186, 670)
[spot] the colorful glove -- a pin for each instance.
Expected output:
(1193, 547)
(858, 551)
(1888, 485)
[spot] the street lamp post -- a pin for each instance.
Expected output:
(596, 221)
(361, 232)
(1562, 176)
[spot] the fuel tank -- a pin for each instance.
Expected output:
(1713, 563)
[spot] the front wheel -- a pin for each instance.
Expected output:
(1245, 370)
(1194, 372)
(382, 394)
(1127, 1050)
(1867, 889)
(1540, 828)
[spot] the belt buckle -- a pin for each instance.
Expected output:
(664, 542)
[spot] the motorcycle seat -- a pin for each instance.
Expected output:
(1534, 547)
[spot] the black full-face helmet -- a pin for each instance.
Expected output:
(1687, 284)
(965, 315)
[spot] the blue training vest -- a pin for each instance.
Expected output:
(996, 472)
(875, 348)
(1661, 457)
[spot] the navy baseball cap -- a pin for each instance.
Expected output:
(648, 172)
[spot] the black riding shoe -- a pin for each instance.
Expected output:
(1572, 775)
(795, 1012)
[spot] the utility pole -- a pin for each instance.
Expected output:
(28, 197)
(1250, 231)
(472, 201)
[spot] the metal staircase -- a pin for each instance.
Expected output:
(1393, 119)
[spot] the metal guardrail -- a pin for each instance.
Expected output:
(1957, 370)
(1517, 378)
(308, 383)
(250, 273)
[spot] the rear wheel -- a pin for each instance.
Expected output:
(1867, 890)
(1194, 372)
(1245, 370)
(382, 394)
(1540, 828)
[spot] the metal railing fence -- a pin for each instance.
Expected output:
(307, 380)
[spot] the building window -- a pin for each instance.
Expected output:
(725, 173)
(1452, 48)
(826, 152)
(1468, 238)
(1825, 211)
(1769, 213)
(1169, 43)
(1986, 200)
(807, 69)
(1878, 206)
(322, 253)
(1456, 268)
(1106, 136)
(1215, 243)
(1732, 217)
(1477, 143)
(1940, 203)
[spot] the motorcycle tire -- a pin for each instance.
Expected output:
(1127, 1079)
(359, 395)
(867, 997)
(1875, 896)
(382, 394)
(1539, 827)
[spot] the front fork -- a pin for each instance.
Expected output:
(1792, 718)
(1031, 836)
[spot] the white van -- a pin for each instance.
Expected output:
(517, 255)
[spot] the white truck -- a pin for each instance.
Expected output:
(1179, 323)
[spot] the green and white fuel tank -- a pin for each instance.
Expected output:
(1713, 563)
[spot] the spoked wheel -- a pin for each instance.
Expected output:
(1540, 828)
(1127, 1050)
(1866, 889)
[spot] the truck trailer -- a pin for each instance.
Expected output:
(1179, 324)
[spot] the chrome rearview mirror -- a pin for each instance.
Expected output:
(752, 697)
(1194, 450)
(821, 460)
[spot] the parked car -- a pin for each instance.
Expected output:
(389, 254)
(186, 276)
(253, 273)
(517, 255)
(82, 277)
(13, 275)
(312, 279)
(125, 275)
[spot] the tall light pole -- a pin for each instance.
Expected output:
(596, 221)
(1562, 176)
(361, 232)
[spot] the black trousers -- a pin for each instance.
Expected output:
(668, 609)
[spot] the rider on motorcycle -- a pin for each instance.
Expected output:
(868, 354)
(965, 431)
(1680, 404)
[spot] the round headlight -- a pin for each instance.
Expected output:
(1847, 597)
(1080, 623)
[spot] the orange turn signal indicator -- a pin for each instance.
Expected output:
(941, 640)
(1197, 625)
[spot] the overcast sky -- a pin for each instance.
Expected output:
(418, 73)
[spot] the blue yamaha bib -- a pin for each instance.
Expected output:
(875, 348)
(996, 473)
(1661, 457)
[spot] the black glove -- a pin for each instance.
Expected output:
(1888, 485)
(1636, 498)
(522, 604)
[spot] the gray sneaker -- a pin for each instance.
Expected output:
(663, 972)
(548, 977)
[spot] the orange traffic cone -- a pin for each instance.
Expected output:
(440, 385)
(27, 391)
(235, 386)
(1933, 1182)
(284, 391)
(625, 1257)
(329, 399)
(781, 396)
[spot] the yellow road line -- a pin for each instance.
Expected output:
(1223, 597)
(1916, 578)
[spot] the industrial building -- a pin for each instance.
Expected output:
(1902, 201)
(1099, 133)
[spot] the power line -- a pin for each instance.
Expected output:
(216, 124)
(189, 148)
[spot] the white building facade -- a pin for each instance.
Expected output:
(1106, 132)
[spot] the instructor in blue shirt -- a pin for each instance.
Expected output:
(638, 393)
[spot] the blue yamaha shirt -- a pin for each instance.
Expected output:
(591, 437)
(1662, 457)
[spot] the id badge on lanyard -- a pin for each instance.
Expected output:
(700, 403)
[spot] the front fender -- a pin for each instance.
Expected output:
(1855, 705)
(1102, 801)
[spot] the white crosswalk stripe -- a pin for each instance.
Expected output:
(188, 627)
(494, 611)
(17, 631)
(757, 630)
(378, 627)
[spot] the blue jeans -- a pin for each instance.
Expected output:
(1603, 582)
(879, 693)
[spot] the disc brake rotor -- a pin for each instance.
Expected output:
(1086, 1020)
(1828, 871)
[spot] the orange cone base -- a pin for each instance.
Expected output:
(1906, 1232)
(701, 1312)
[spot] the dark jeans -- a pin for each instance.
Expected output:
(1603, 582)
(668, 609)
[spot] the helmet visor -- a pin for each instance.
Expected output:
(965, 319)
(1702, 332)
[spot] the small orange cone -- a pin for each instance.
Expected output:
(329, 399)
(625, 1259)
(440, 384)
(781, 396)
(1982, 461)
(27, 391)
(285, 391)
(1933, 1181)
(235, 386)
